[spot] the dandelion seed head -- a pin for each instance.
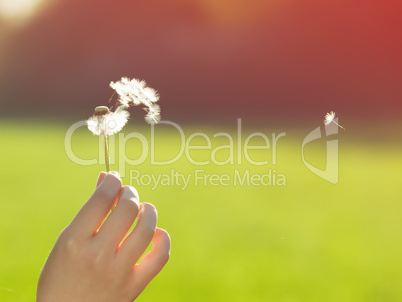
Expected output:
(155, 108)
(108, 123)
(134, 92)
(152, 117)
(151, 94)
(101, 110)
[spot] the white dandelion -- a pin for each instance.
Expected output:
(131, 92)
(105, 122)
(329, 118)
(136, 92)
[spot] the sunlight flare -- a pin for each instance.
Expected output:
(12, 10)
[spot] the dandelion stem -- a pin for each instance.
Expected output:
(107, 161)
(105, 143)
(112, 96)
(338, 125)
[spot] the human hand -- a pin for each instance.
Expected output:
(87, 264)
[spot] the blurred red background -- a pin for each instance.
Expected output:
(209, 59)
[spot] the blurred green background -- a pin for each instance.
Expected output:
(279, 65)
(306, 241)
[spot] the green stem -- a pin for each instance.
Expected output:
(105, 143)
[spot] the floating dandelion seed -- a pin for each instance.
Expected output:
(153, 115)
(329, 118)
(135, 92)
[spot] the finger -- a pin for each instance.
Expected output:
(153, 261)
(92, 214)
(120, 220)
(100, 178)
(140, 237)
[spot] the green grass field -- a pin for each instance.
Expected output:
(306, 241)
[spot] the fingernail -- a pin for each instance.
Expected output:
(130, 193)
(115, 173)
(111, 182)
